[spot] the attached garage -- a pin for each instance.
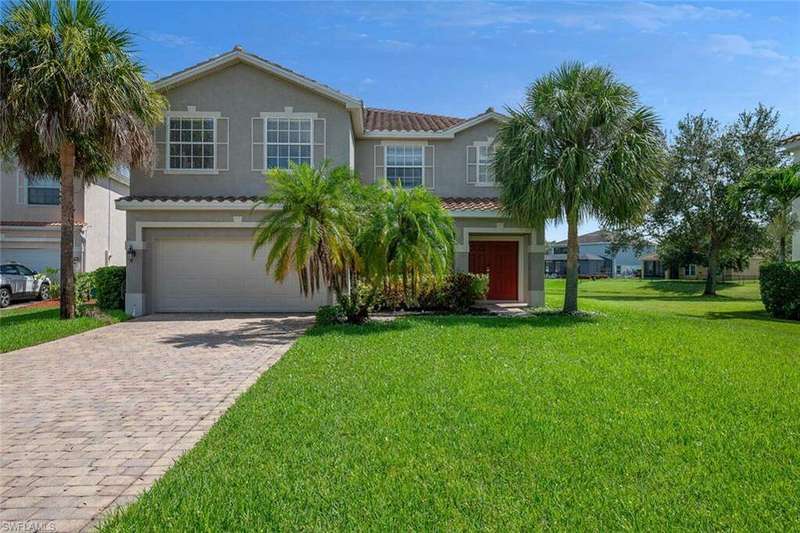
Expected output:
(218, 274)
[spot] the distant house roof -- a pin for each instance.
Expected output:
(591, 238)
(791, 139)
(581, 257)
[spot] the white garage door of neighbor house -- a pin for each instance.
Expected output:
(34, 258)
(220, 275)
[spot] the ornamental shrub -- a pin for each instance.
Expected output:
(109, 285)
(84, 286)
(328, 315)
(780, 289)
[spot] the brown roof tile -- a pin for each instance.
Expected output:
(593, 237)
(32, 223)
(471, 204)
(392, 120)
(791, 138)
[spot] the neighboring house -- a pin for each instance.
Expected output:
(30, 227)
(595, 257)
(652, 268)
(792, 146)
(230, 118)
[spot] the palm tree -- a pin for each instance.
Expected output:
(580, 145)
(410, 236)
(72, 102)
(774, 189)
(310, 226)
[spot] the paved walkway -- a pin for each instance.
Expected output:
(90, 421)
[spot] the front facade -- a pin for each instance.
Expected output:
(190, 220)
(30, 214)
(792, 147)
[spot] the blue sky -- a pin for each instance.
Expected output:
(460, 58)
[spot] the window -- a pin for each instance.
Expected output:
(9, 270)
(191, 143)
(689, 270)
(404, 165)
(485, 176)
(44, 191)
(288, 140)
(24, 271)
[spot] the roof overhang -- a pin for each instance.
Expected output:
(240, 56)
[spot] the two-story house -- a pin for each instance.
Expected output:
(30, 214)
(190, 221)
(595, 257)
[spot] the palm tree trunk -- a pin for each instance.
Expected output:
(711, 275)
(571, 291)
(67, 161)
(782, 249)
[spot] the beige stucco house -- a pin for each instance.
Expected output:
(190, 221)
(792, 145)
(30, 216)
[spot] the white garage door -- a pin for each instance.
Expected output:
(34, 258)
(220, 275)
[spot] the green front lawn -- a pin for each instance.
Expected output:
(28, 326)
(665, 411)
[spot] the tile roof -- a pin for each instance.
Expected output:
(33, 223)
(471, 204)
(581, 257)
(376, 119)
(791, 139)
(453, 204)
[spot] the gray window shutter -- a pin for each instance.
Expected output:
(319, 152)
(380, 164)
(258, 164)
(430, 164)
(160, 156)
(221, 144)
(472, 164)
(22, 188)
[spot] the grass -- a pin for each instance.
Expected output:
(665, 410)
(29, 326)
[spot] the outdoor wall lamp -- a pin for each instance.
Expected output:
(131, 254)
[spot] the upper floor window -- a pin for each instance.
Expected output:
(479, 163)
(288, 140)
(191, 143)
(405, 165)
(43, 191)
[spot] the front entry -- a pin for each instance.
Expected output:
(499, 259)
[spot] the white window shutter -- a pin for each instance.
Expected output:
(380, 163)
(428, 173)
(472, 164)
(257, 156)
(22, 188)
(160, 137)
(318, 152)
(221, 144)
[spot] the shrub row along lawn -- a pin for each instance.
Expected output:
(28, 326)
(665, 411)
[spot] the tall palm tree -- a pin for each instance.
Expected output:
(580, 145)
(410, 236)
(774, 189)
(310, 226)
(72, 102)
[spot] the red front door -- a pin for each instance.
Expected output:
(500, 260)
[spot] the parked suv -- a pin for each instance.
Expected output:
(19, 282)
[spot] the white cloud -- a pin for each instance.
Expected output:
(395, 44)
(169, 39)
(733, 45)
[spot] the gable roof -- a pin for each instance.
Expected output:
(791, 139)
(591, 238)
(238, 55)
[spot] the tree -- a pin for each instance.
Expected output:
(580, 145)
(697, 213)
(409, 236)
(773, 189)
(72, 103)
(311, 226)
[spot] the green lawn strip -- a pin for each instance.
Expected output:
(25, 326)
(654, 419)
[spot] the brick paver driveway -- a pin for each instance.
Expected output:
(90, 421)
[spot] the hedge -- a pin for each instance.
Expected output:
(109, 284)
(780, 289)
